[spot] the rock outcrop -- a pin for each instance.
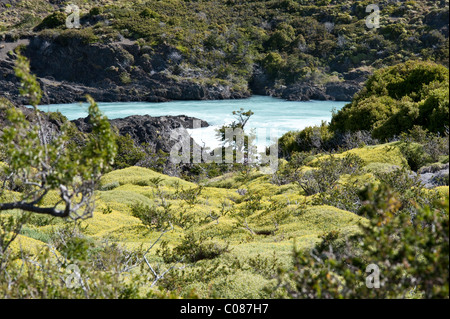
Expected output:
(69, 68)
(155, 132)
(145, 129)
(343, 90)
(435, 175)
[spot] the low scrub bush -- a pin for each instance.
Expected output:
(54, 20)
(194, 247)
(328, 172)
(151, 216)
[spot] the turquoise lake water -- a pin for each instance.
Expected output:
(270, 113)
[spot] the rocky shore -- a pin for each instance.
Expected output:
(113, 72)
(70, 68)
(153, 132)
(148, 130)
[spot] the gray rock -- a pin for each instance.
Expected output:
(434, 175)
(68, 70)
(145, 129)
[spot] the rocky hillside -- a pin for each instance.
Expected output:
(157, 51)
(69, 71)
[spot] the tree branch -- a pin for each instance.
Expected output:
(30, 207)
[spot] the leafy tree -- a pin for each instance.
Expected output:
(326, 176)
(434, 111)
(238, 142)
(273, 63)
(282, 37)
(42, 163)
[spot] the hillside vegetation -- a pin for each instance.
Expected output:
(307, 231)
(369, 189)
(292, 49)
(397, 98)
(226, 238)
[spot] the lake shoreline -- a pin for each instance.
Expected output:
(270, 114)
(64, 78)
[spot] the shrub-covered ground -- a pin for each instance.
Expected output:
(343, 198)
(227, 237)
(266, 45)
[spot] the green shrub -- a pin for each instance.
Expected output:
(54, 20)
(343, 196)
(273, 63)
(125, 78)
(327, 174)
(411, 254)
(190, 195)
(391, 101)
(148, 13)
(410, 189)
(128, 154)
(282, 37)
(71, 243)
(312, 138)
(434, 111)
(84, 36)
(194, 247)
(95, 11)
(151, 216)
(415, 155)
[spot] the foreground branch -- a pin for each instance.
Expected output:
(29, 207)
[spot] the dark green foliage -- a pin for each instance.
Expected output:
(325, 177)
(190, 195)
(265, 266)
(155, 160)
(343, 196)
(310, 139)
(96, 11)
(194, 247)
(203, 272)
(434, 111)
(128, 154)
(71, 243)
(421, 147)
(282, 37)
(76, 37)
(274, 64)
(151, 216)
(397, 98)
(287, 173)
(54, 20)
(409, 188)
(148, 13)
(414, 154)
(317, 139)
(227, 39)
(313, 138)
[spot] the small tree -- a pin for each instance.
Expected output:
(40, 161)
(235, 140)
